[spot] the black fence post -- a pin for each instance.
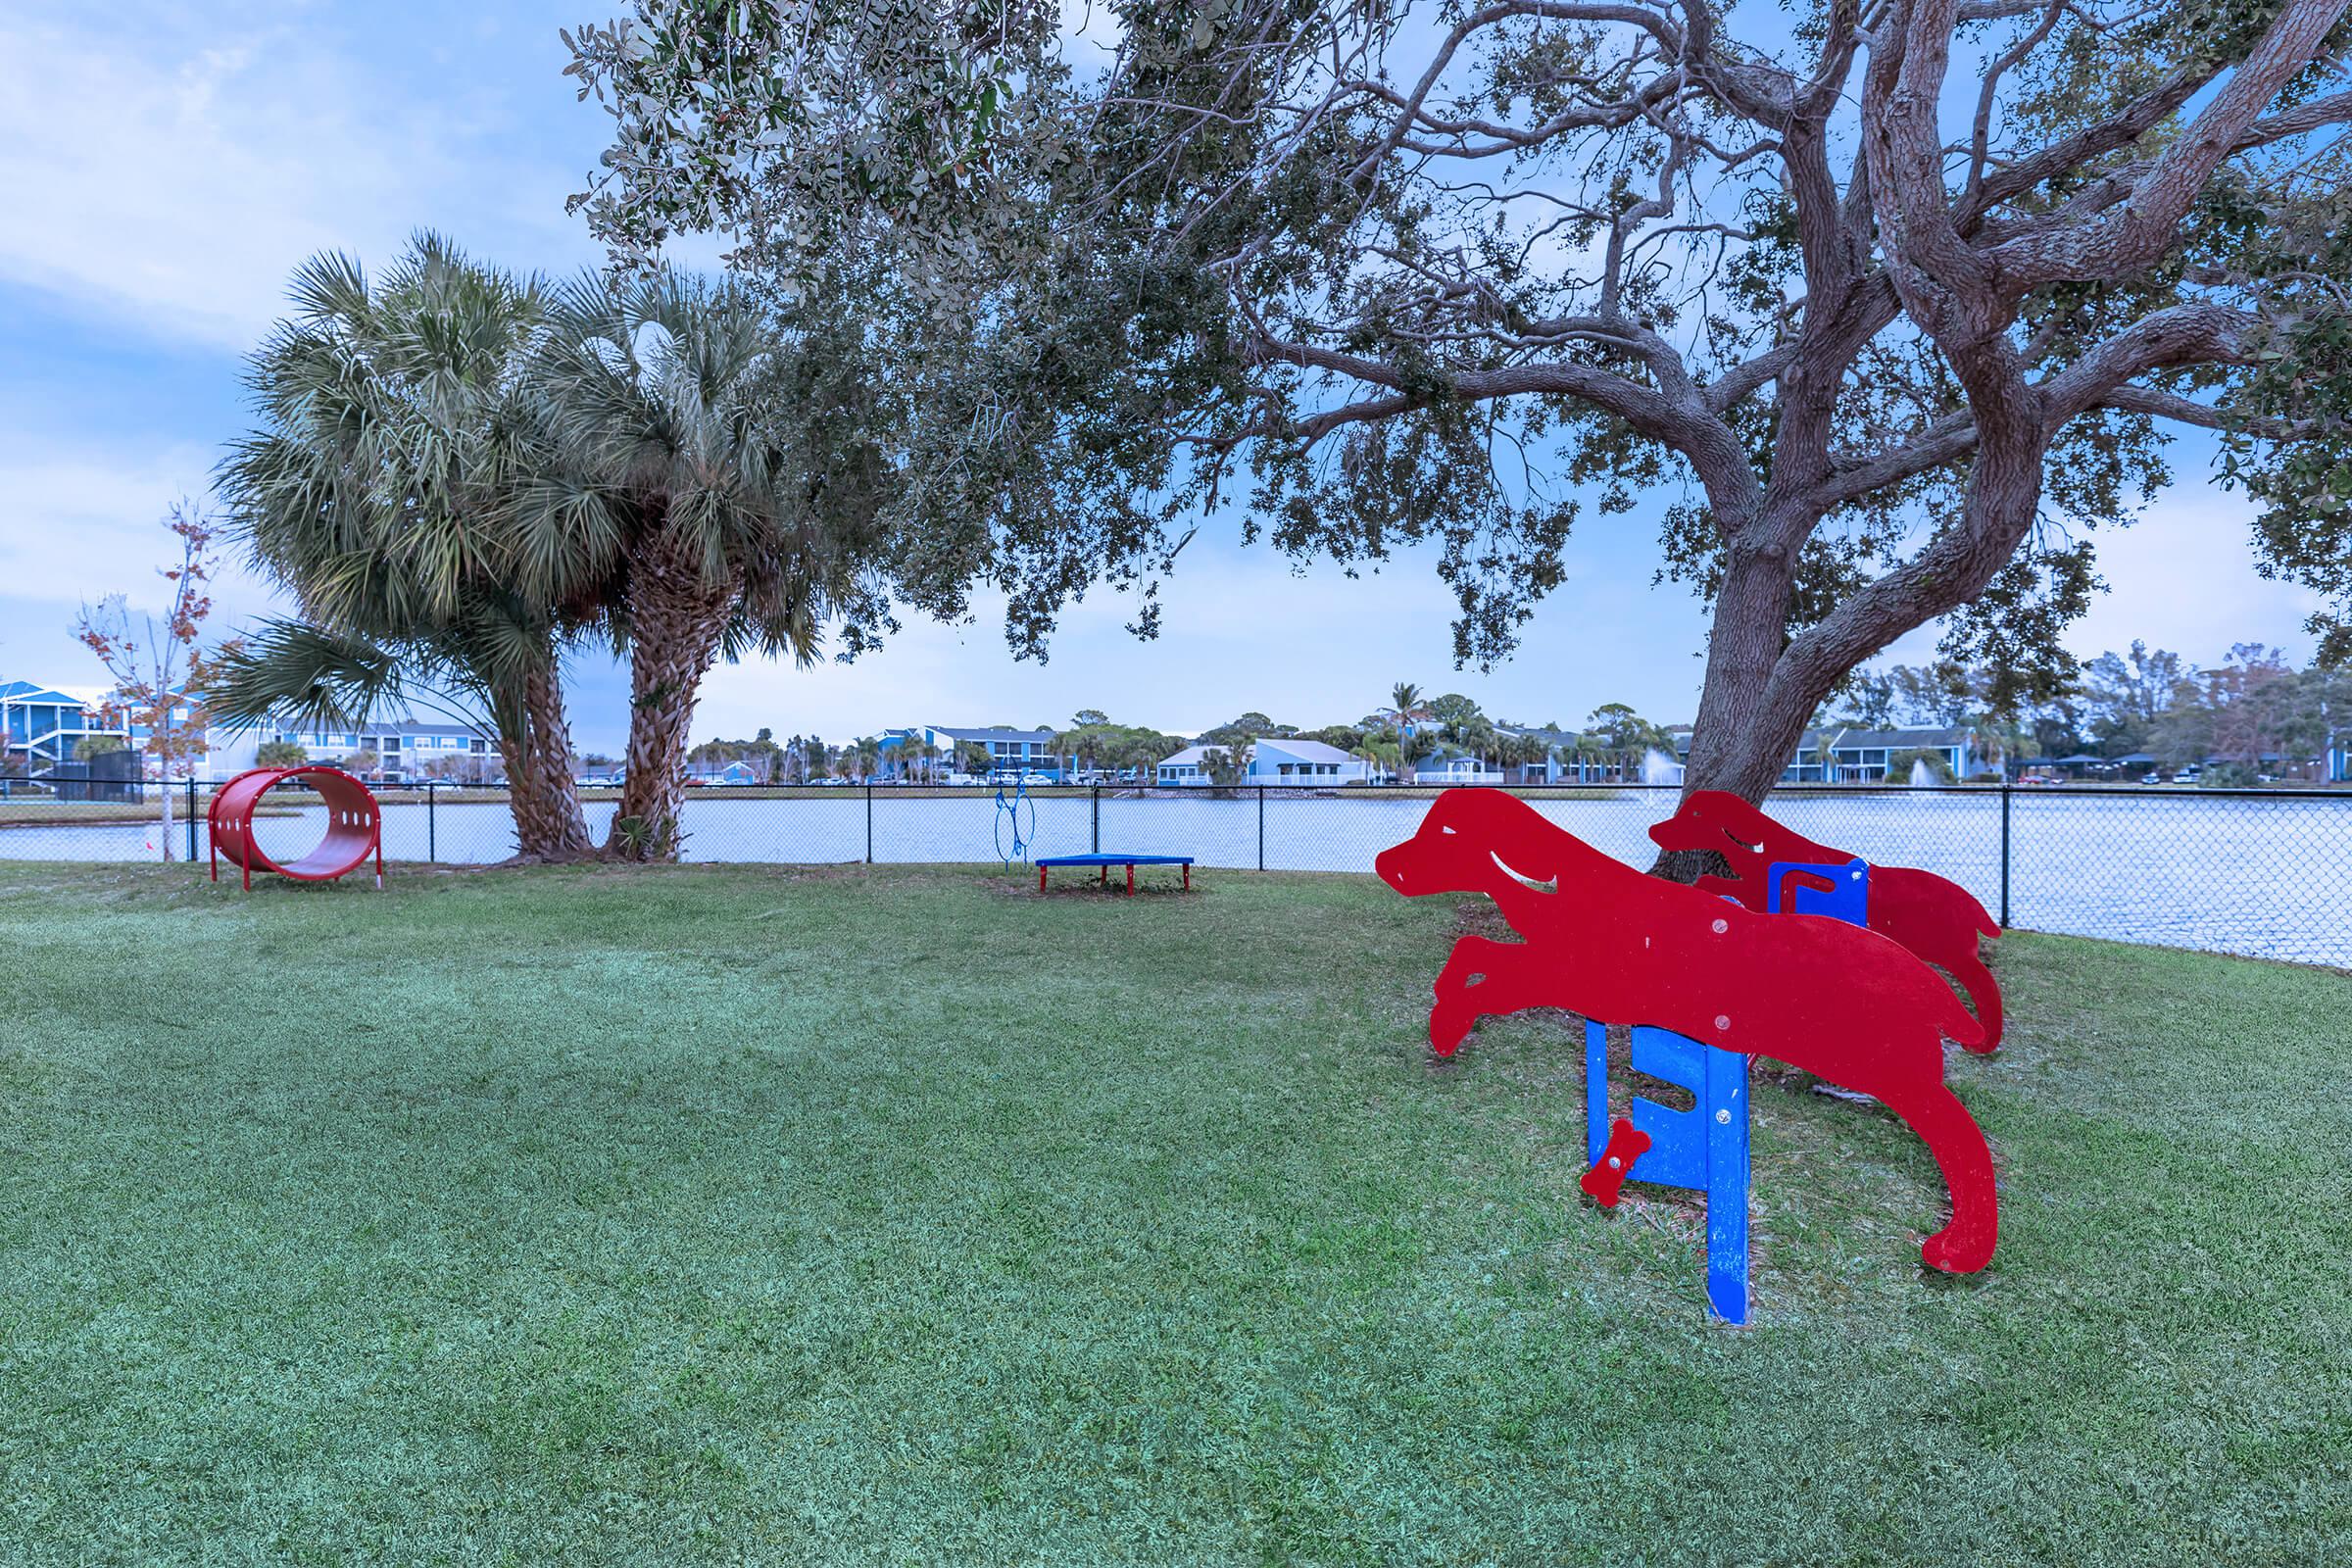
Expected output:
(2006, 792)
(1261, 827)
(432, 844)
(870, 821)
(1095, 823)
(191, 819)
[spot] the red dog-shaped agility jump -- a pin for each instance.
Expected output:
(1609, 942)
(1937, 919)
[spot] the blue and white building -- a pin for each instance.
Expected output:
(41, 726)
(1274, 759)
(1853, 756)
(1863, 755)
(1024, 751)
(405, 749)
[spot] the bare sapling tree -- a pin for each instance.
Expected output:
(158, 661)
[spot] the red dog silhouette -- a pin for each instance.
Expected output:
(1937, 919)
(1609, 942)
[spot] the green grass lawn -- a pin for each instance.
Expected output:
(761, 1215)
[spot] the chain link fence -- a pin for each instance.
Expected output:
(2257, 872)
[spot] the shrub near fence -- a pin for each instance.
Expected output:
(2258, 872)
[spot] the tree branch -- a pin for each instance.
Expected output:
(2149, 220)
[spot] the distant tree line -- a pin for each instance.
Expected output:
(2253, 715)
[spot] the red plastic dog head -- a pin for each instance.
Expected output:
(1433, 859)
(1718, 821)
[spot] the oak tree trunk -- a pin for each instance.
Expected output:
(1745, 731)
(676, 622)
(1762, 689)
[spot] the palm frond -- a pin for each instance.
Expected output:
(292, 670)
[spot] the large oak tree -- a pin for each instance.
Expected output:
(1880, 310)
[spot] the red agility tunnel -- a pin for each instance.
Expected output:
(355, 825)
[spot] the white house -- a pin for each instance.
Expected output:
(406, 748)
(1458, 768)
(1864, 754)
(1274, 759)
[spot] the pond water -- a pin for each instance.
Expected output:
(2264, 876)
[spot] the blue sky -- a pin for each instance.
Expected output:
(168, 167)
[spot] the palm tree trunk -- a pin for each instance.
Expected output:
(556, 829)
(676, 622)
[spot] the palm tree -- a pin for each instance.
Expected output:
(1476, 735)
(919, 756)
(399, 426)
(706, 444)
(1523, 750)
(1411, 749)
(1404, 705)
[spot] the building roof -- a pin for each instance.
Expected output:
(1006, 734)
(1900, 740)
(1191, 755)
(1303, 751)
(372, 726)
(24, 691)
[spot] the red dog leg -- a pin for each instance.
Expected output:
(1502, 986)
(1953, 1137)
(1626, 1145)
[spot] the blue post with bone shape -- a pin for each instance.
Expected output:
(1706, 1147)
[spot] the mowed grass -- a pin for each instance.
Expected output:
(760, 1215)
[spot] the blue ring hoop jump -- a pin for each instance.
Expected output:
(1016, 822)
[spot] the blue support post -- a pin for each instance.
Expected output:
(1724, 1104)
(1597, 1090)
(1704, 1149)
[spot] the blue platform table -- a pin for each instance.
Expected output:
(1106, 862)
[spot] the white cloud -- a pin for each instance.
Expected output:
(175, 176)
(85, 523)
(2181, 578)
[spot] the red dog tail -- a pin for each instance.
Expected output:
(1960, 1026)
